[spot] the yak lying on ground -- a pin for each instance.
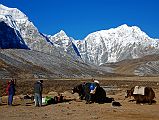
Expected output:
(98, 97)
(148, 96)
(80, 90)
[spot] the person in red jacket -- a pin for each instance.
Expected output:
(10, 90)
(7, 88)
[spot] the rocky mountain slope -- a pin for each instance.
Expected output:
(34, 64)
(33, 39)
(145, 66)
(117, 44)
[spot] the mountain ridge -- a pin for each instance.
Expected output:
(98, 48)
(30, 34)
(111, 45)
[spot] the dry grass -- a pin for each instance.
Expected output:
(75, 110)
(60, 85)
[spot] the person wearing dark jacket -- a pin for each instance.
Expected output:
(11, 92)
(38, 88)
(92, 90)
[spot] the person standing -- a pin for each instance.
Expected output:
(38, 88)
(11, 92)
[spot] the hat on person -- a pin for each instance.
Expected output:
(41, 81)
(96, 81)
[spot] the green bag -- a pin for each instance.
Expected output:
(48, 100)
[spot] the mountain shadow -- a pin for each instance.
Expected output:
(10, 38)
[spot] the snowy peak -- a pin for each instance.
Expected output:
(13, 17)
(35, 40)
(131, 29)
(62, 33)
(60, 39)
(117, 44)
(20, 23)
(123, 26)
(60, 36)
(14, 12)
(3, 7)
(123, 33)
(65, 43)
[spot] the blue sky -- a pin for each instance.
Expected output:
(78, 18)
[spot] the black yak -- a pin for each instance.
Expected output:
(99, 96)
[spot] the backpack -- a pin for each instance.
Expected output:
(92, 86)
(48, 100)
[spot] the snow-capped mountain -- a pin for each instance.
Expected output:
(65, 43)
(116, 44)
(32, 37)
(20, 22)
(100, 47)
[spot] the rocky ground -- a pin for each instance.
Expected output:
(76, 109)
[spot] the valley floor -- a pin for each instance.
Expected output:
(75, 110)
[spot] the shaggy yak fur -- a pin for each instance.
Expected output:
(98, 97)
(146, 98)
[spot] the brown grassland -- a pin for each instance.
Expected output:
(77, 109)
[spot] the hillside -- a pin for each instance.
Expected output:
(34, 64)
(145, 66)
